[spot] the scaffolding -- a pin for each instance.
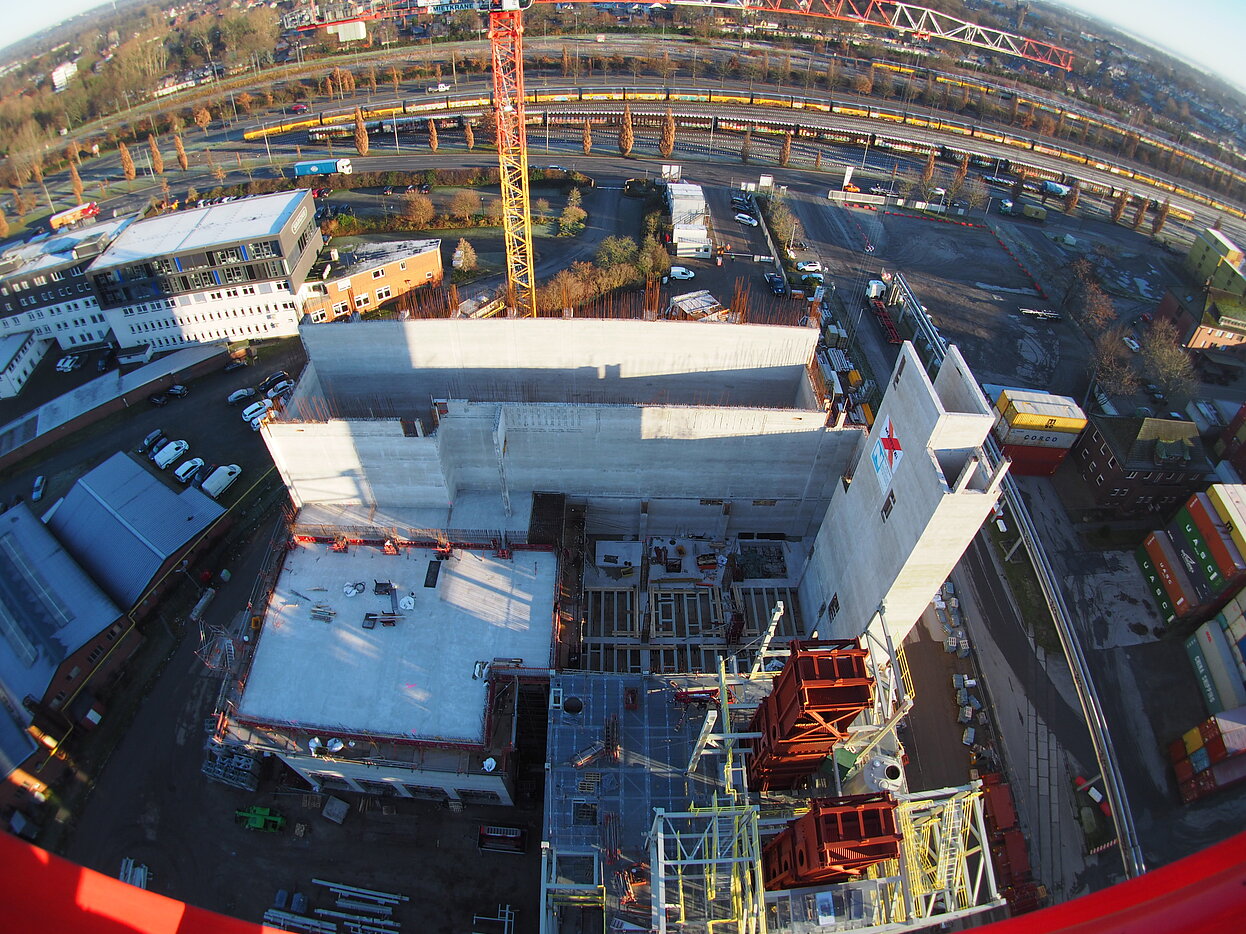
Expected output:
(706, 870)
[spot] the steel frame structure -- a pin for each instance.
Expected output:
(506, 41)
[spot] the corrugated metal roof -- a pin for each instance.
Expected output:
(122, 524)
(49, 608)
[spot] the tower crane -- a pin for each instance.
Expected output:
(506, 46)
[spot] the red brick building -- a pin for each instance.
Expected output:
(370, 276)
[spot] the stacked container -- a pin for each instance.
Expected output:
(1210, 756)
(1036, 429)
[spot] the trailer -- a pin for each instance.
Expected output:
(74, 215)
(323, 167)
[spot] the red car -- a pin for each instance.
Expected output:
(299, 109)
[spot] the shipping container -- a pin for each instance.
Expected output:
(1021, 408)
(1232, 728)
(1034, 462)
(1229, 502)
(1206, 684)
(1215, 748)
(1200, 760)
(1221, 665)
(1188, 791)
(1193, 740)
(1183, 552)
(1183, 770)
(1165, 562)
(1229, 771)
(1176, 751)
(1033, 437)
(1186, 536)
(1216, 535)
(1156, 586)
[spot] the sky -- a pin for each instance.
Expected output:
(1207, 32)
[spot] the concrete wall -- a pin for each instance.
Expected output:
(314, 769)
(361, 461)
(777, 468)
(404, 364)
(941, 497)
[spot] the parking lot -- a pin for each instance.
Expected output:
(212, 428)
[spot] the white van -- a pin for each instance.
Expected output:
(220, 479)
(170, 452)
(257, 410)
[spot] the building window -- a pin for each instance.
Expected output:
(340, 308)
(378, 273)
(361, 301)
(888, 504)
(383, 293)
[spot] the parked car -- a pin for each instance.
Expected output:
(778, 285)
(68, 364)
(158, 399)
(746, 219)
(880, 190)
(1132, 344)
(258, 410)
(299, 109)
(286, 385)
(161, 440)
(150, 440)
(179, 391)
(1155, 392)
(272, 379)
(388, 190)
(809, 266)
(682, 272)
(218, 480)
(240, 395)
(235, 365)
(425, 188)
(36, 492)
(188, 470)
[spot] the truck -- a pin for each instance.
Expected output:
(323, 167)
(74, 215)
(1055, 189)
(439, 88)
(1032, 211)
(220, 479)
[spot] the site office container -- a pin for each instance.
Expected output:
(1223, 549)
(1152, 578)
(1021, 408)
(1034, 462)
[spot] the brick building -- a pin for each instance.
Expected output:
(1137, 466)
(1212, 320)
(369, 276)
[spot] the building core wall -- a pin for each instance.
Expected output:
(891, 538)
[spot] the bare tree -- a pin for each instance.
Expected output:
(202, 117)
(76, 181)
(587, 139)
(432, 135)
(958, 180)
(127, 162)
(469, 136)
(464, 204)
(785, 150)
(4, 224)
(1110, 365)
(928, 171)
(1139, 214)
(418, 209)
(182, 162)
(466, 255)
(361, 133)
(1071, 199)
(245, 100)
(157, 160)
(746, 145)
(1165, 361)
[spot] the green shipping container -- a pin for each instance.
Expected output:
(1184, 522)
(1156, 586)
(1205, 682)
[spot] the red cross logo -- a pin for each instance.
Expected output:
(891, 444)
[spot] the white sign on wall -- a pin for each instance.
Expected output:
(886, 454)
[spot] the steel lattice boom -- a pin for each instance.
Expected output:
(506, 39)
(920, 21)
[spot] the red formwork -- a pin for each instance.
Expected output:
(1001, 812)
(838, 838)
(823, 688)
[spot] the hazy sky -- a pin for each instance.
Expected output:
(1209, 32)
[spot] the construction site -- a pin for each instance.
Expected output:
(658, 554)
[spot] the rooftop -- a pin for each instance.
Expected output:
(362, 257)
(122, 523)
(202, 228)
(1154, 443)
(49, 251)
(317, 667)
(49, 608)
(10, 347)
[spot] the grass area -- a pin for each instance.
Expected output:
(1026, 592)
